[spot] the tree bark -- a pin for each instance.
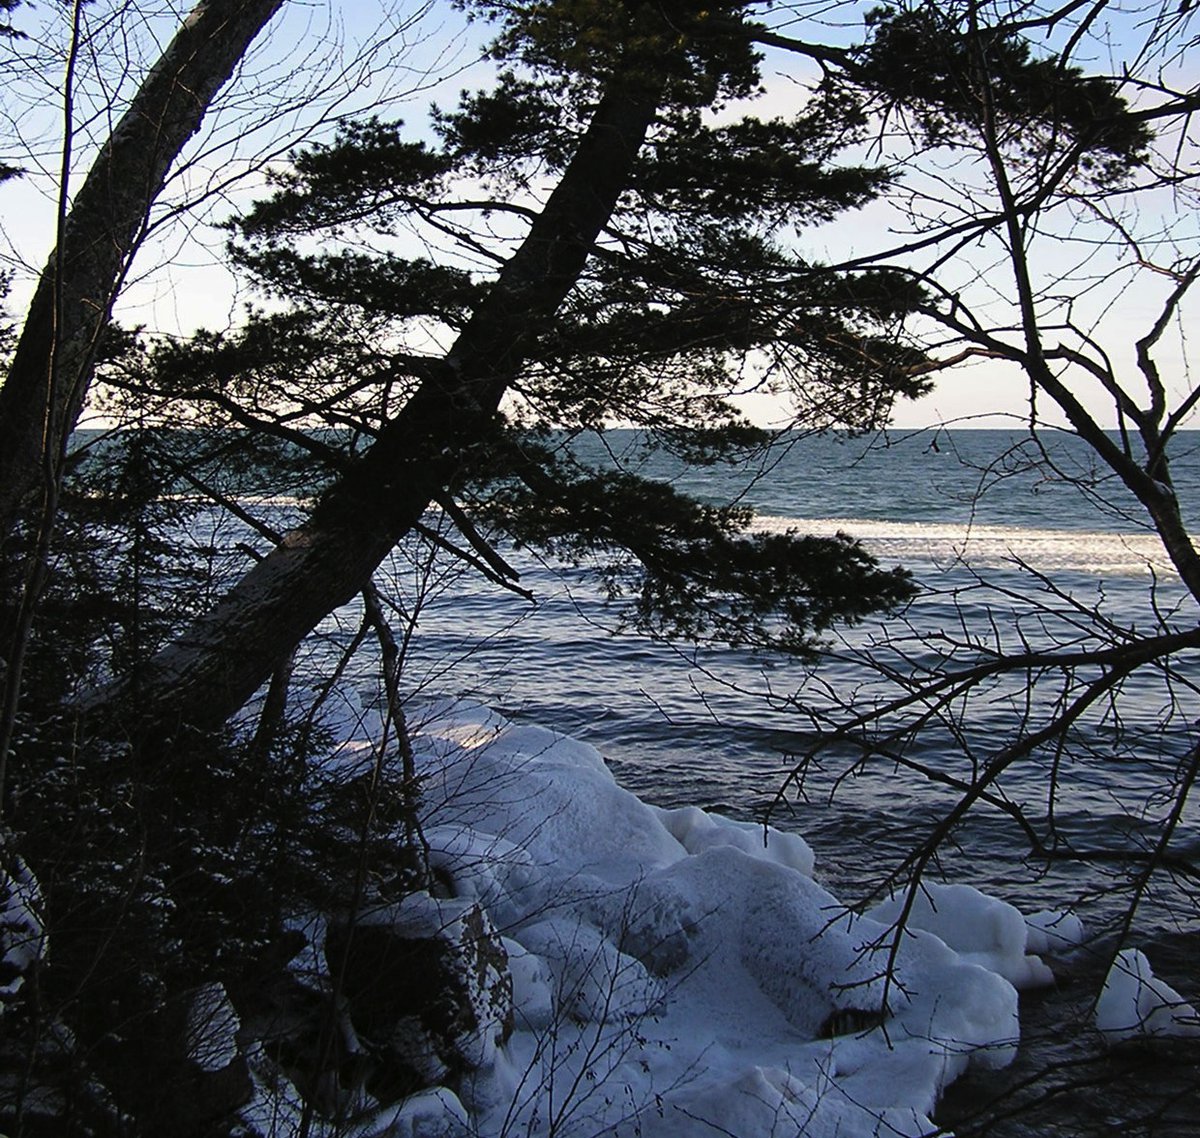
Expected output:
(211, 671)
(52, 366)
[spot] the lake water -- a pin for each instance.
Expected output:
(1016, 543)
(719, 728)
(1007, 554)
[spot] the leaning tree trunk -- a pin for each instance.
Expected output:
(52, 367)
(214, 668)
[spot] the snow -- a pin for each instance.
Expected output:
(1053, 931)
(675, 973)
(697, 831)
(211, 1031)
(431, 1114)
(682, 967)
(979, 928)
(22, 935)
(1135, 1003)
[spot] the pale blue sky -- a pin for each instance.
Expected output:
(179, 283)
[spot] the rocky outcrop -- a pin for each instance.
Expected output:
(428, 990)
(406, 1001)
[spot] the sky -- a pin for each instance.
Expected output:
(317, 63)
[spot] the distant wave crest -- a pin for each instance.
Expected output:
(984, 546)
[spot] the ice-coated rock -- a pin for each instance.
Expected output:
(981, 929)
(697, 830)
(593, 979)
(1135, 1003)
(1054, 932)
(671, 972)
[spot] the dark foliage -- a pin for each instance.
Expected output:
(368, 170)
(940, 63)
(690, 571)
(165, 867)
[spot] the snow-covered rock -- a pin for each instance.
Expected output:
(532, 987)
(594, 981)
(210, 1030)
(1053, 932)
(23, 941)
(1136, 1004)
(672, 973)
(981, 929)
(428, 988)
(697, 831)
(430, 1114)
(669, 965)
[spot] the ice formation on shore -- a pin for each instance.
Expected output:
(1135, 1003)
(675, 973)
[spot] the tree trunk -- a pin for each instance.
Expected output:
(52, 367)
(210, 672)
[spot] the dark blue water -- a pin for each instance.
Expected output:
(1014, 543)
(1017, 544)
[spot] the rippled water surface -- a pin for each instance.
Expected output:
(1005, 555)
(721, 728)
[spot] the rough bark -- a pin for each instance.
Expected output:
(52, 366)
(209, 673)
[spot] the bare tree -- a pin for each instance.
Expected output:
(1053, 251)
(98, 231)
(182, 143)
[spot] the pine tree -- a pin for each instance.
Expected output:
(657, 271)
(653, 273)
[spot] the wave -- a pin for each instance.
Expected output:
(991, 546)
